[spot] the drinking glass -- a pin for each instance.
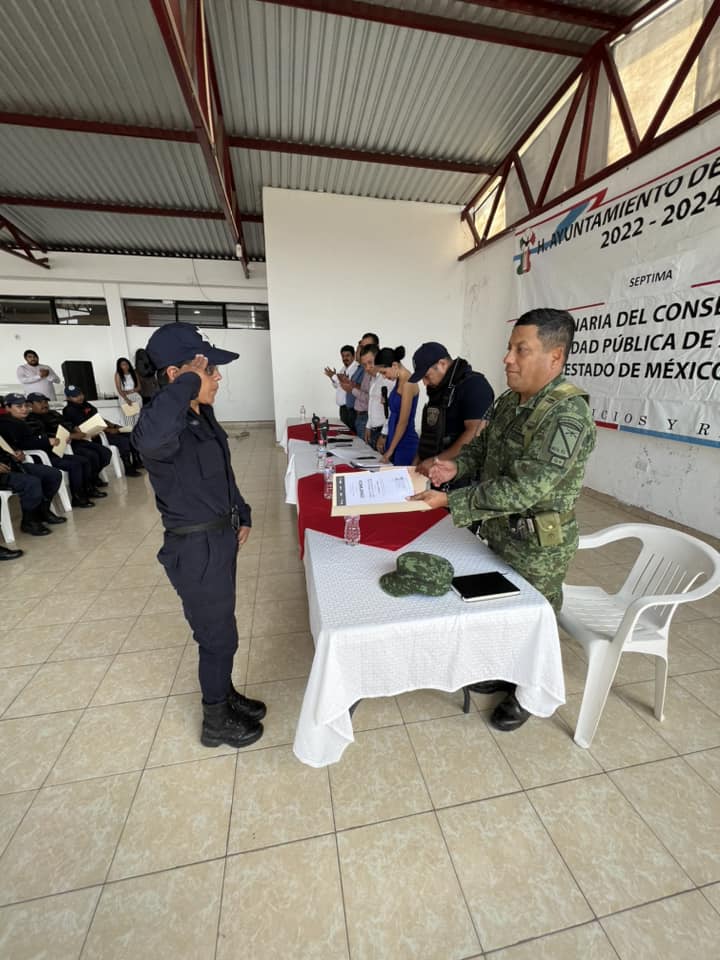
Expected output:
(352, 530)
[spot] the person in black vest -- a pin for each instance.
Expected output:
(34, 483)
(205, 517)
(78, 410)
(95, 456)
(459, 401)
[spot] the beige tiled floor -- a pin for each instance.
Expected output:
(434, 838)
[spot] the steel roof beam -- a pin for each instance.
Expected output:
(242, 143)
(549, 10)
(190, 58)
(413, 20)
(22, 245)
(89, 206)
(361, 156)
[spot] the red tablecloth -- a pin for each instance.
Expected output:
(387, 530)
(304, 431)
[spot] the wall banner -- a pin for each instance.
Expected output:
(637, 263)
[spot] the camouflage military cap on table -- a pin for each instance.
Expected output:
(418, 572)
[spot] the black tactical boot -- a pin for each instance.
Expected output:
(47, 516)
(223, 725)
(81, 501)
(92, 493)
(31, 524)
(253, 710)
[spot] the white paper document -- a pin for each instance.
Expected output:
(93, 425)
(385, 486)
(129, 409)
(63, 436)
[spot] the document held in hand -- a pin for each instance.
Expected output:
(93, 425)
(384, 491)
(62, 435)
(129, 409)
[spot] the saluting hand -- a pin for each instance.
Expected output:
(197, 365)
(243, 534)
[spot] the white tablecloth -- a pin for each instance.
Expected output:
(302, 460)
(369, 644)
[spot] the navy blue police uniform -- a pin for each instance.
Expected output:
(35, 483)
(94, 455)
(187, 458)
(77, 413)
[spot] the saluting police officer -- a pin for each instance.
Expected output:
(187, 458)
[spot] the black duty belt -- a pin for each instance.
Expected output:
(220, 523)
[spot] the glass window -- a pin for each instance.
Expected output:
(250, 316)
(202, 314)
(149, 313)
(25, 310)
(85, 312)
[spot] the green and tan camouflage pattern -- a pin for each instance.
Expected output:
(419, 572)
(516, 473)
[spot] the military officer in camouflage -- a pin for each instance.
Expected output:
(527, 469)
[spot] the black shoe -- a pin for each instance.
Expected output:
(223, 725)
(508, 714)
(96, 494)
(492, 686)
(30, 524)
(100, 482)
(6, 554)
(253, 710)
(81, 502)
(130, 471)
(48, 516)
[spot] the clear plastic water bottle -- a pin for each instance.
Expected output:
(352, 530)
(321, 456)
(328, 474)
(303, 415)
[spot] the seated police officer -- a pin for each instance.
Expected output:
(186, 454)
(92, 456)
(36, 483)
(459, 400)
(77, 410)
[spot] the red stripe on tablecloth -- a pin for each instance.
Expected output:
(390, 531)
(304, 431)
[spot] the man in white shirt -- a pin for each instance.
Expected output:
(40, 377)
(345, 401)
(377, 422)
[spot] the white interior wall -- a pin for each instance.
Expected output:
(339, 267)
(675, 480)
(247, 391)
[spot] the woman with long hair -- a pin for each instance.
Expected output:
(127, 386)
(402, 439)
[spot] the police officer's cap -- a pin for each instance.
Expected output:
(36, 397)
(426, 355)
(174, 344)
(12, 399)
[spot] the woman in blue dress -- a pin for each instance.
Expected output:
(402, 439)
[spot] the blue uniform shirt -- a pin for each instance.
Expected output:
(187, 457)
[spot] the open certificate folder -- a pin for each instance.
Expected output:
(384, 491)
(93, 425)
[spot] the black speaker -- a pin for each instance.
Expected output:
(80, 373)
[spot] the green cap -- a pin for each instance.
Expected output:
(418, 573)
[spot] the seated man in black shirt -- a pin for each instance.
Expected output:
(78, 410)
(459, 403)
(35, 483)
(88, 457)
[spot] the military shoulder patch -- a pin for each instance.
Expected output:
(564, 440)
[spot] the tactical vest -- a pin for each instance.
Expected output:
(433, 436)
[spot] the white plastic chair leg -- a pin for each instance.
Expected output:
(661, 674)
(116, 462)
(5, 519)
(602, 667)
(63, 493)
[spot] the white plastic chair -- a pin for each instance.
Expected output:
(6, 526)
(637, 618)
(64, 489)
(116, 461)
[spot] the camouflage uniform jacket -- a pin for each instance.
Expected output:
(515, 474)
